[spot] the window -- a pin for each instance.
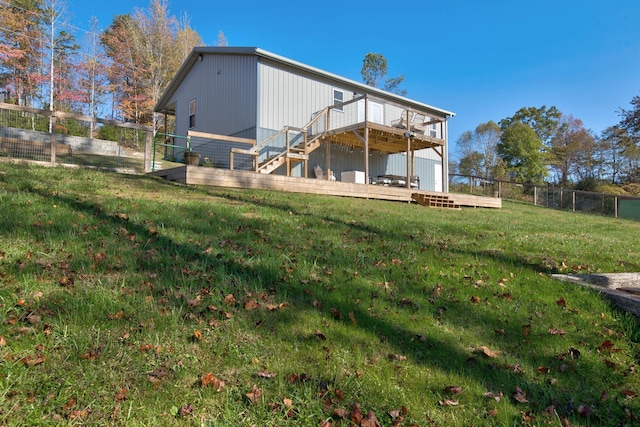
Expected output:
(431, 130)
(338, 98)
(192, 113)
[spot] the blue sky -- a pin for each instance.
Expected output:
(482, 60)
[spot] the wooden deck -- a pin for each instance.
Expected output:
(245, 179)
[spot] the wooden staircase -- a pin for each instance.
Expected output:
(435, 201)
(297, 145)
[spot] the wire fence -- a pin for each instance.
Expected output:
(611, 205)
(72, 139)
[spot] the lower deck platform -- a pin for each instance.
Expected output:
(198, 175)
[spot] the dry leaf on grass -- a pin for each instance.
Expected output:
(487, 352)
(254, 395)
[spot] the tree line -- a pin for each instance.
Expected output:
(119, 72)
(539, 145)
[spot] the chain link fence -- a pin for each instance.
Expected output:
(611, 205)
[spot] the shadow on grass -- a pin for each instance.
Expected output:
(154, 252)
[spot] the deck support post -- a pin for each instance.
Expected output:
(366, 155)
(408, 183)
(328, 159)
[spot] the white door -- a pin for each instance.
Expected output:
(376, 112)
(437, 179)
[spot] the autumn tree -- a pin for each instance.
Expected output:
(374, 69)
(21, 44)
(570, 151)
(521, 150)
(483, 141)
(145, 50)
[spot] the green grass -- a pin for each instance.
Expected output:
(119, 294)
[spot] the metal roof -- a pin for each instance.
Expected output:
(228, 50)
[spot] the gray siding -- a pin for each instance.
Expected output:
(225, 90)
(288, 97)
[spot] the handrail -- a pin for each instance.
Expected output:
(165, 135)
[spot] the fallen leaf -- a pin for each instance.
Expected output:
(492, 412)
(118, 315)
(230, 299)
(544, 370)
(397, 357)
(475, 299)
(186, 410)
(496, 396)
(122, 395)
(209, 380)
(555, 331)
(370, 420)
(356, 414)
(455, 389)
(561, 302)
(317, 304)
(252, 304)
(487, 352)
(254, 395)
(336, 313)
(32, 360)
(79, 413)
(195, 302)
(3, 341)
(629, 393)
(265, 374)
(197, 335)
(320, 335)
(341, 413)
(584, 410)
(448, 402)
(520, 396)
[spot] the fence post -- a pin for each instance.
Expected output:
(615, 206)
(149, 152)
(573, 201)
(53, 139)
(535, 195)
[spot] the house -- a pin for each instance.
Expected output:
(246, 108)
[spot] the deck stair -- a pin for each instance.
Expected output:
(434, 200)
(298, 144)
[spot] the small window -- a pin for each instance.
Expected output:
(192, 113)
(432, 131)
(338, 99)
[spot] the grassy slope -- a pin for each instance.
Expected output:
(119, 294)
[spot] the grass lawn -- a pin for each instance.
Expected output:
(126, 300)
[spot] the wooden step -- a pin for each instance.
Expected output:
(434, 201)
